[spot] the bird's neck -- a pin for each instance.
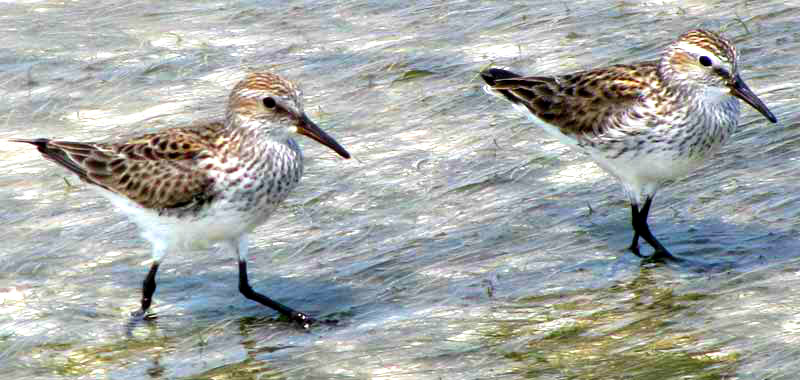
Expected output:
(245, 138)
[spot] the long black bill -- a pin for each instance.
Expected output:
(306, 127)
(740, 90)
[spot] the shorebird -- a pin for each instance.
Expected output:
(210, 182)
(644, 123)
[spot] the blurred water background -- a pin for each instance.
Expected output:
(460, 243)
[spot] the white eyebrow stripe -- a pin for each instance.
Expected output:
(696, 50)
(250, 93)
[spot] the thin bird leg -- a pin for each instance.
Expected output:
(244, 287)
(635, 243)
(148, 288)
(642, 229)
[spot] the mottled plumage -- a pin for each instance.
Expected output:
(583, 104)
(645, 123)
(211, 182)
(157, 171)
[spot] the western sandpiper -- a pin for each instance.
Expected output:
(210, 182)
(645, 123)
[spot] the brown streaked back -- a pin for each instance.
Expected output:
(158, 170)
(582, 103)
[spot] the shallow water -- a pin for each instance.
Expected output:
(460, 243)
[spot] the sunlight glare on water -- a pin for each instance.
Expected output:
(460, 242)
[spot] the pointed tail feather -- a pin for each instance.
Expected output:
(39, 143)
(497, 84)
(491, 76)
(57, 155)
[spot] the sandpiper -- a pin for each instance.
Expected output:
(210, 182)
(644, 123)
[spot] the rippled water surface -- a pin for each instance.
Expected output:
(460, 243)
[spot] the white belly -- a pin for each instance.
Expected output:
(220, 222)
(642, 176)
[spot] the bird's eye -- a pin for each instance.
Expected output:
(269, 102)
(705, 61)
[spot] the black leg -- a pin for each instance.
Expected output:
(635, 243)
(641, 228)
(244, 287)
(148, 288)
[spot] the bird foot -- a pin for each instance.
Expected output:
(305, 321)
(136, 318)
(141, 315)
(663, 255)
(658, 256)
